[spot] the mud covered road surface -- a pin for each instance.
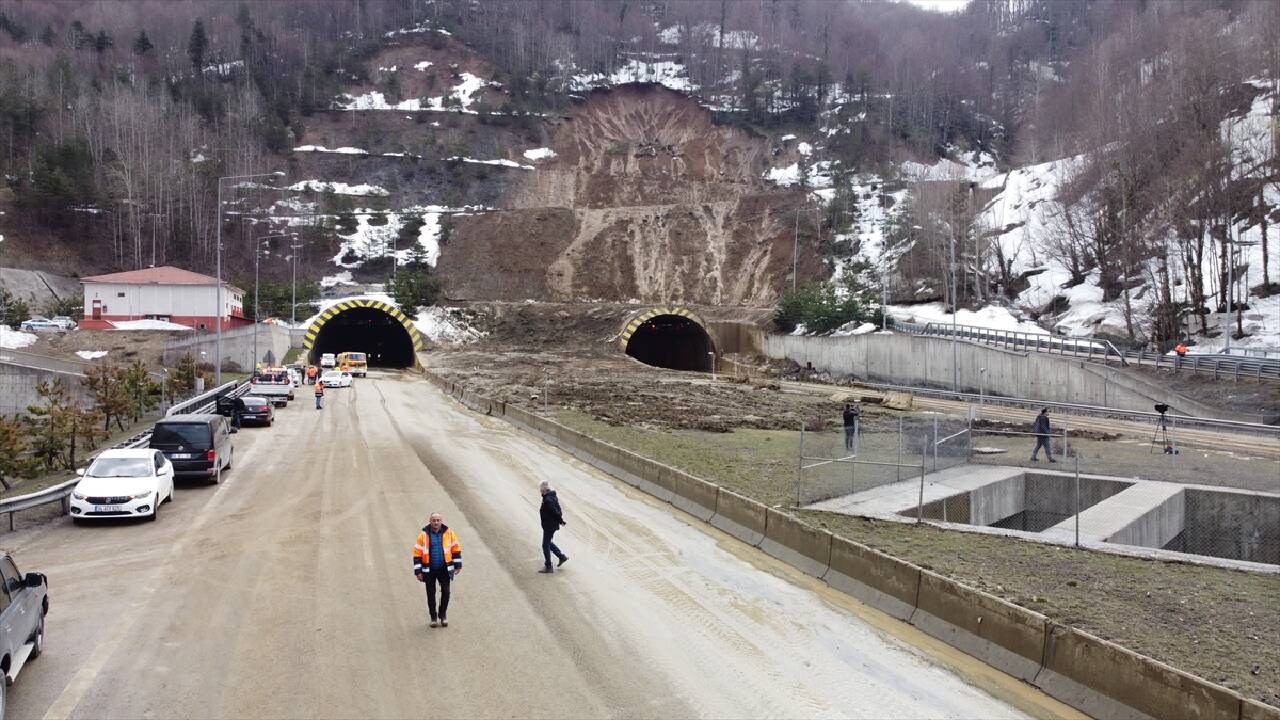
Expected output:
(286, 591)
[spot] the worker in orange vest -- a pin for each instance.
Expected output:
(437, 558)
(311, 373)
(1181, 350)
(319, 394)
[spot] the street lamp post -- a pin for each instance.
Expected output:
(257, 253)
(293, 311)
(217, 360)
(955, 308)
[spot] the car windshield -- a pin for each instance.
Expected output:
(358, 357)
(330, 375)
(180, 434)
(110, 467)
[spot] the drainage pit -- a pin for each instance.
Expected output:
(1028, 502)
(1233, 525)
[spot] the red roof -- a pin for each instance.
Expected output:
(165, 275)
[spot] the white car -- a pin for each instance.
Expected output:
(328, 360)
(336, 379)
(64, 322)
(123, 483)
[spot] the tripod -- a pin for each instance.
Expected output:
(1162, 434)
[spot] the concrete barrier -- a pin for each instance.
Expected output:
(739, 516)
(797, 543)
(1108, 681)
(632, 466)
(883, 582)
(1254, 710)
(694, 495)
(1001, 634)
(655, 479)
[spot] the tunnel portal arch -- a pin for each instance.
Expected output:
(673, 338)
(379, 329)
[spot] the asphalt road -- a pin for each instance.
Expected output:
(286, 591)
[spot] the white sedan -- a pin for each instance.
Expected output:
(336, 379)
(123, 483)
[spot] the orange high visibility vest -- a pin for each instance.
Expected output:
(319, 388)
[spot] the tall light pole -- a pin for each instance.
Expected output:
(795, 250)
(293, 300)
(955, 308)
(257, 253)
(217, 360)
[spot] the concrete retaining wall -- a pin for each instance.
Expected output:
(237, 346)
(1090, 674)
(927, 362)
(18, 387)
(1108, 681)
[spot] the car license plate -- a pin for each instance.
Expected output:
(181, 456)
(109, 508)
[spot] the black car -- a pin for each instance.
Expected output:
(257, 409)
(198, 445)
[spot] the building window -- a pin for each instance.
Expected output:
(119, 294)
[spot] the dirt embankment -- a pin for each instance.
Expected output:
(647, 199)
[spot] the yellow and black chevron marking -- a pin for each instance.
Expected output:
(314, 331)
(640, 319)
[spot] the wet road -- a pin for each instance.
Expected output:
(286, 591)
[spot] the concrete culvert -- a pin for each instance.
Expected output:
(373, 331)
(672, 341)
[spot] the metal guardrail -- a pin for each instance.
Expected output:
(204, 402)
(1234, 366)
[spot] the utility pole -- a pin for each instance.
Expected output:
(955, 308)
(293, 299)
(795, 250)
(257, 253)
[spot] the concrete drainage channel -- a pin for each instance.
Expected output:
(1208, 525)
(1086, 672)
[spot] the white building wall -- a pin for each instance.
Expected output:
(172, 300)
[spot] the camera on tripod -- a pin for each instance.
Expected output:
(1161, 435)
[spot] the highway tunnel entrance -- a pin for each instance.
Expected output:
(380, 330)
(671, 341)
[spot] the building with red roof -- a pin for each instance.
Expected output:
(161, 293)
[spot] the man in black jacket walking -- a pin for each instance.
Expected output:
(1042, 433)
(552, 520)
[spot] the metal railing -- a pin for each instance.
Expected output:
(205, 402)
(1253, 363)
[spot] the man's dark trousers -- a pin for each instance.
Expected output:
(433, 576)
(1042, 441)
(549, 547)
(849, 431)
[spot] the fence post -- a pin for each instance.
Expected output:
(935, 444)
(919, 506)
(899, 449)
(800, 467)
(1077, 500)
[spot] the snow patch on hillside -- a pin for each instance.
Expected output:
(91, 354)
(338, 188)
(14, 340)
(147, 325)
(446, 325)
(993, 316)
(539, 154)
(338, 151)
(342, 278)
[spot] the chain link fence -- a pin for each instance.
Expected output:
(1062, 484)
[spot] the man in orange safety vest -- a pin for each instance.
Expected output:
(437, 558)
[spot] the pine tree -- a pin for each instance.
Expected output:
(142, 45)
(197, 45)
(141, 391)
(47, 36)
(102, 41)
(13, 446)
(107, 385)
(80, 37)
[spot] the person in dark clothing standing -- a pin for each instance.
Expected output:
(552, 520)
(851, 414)
(437, 558)
(1041, 430)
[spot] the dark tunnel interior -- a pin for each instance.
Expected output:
(671, 341)
(369, 330)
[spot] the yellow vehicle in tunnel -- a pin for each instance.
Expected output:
(357, 363)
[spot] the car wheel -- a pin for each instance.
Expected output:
(4, 699)
(37, 639)
(155, 512)
(74, 521)
(230, 455)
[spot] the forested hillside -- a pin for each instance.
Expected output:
(1077, 155)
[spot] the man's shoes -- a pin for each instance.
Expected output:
(435, 623)
(563, 559)
(1035, 459)
(548, 569)
(1052, 460)
(444, 623)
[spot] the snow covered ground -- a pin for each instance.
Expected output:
(539, 154)
(464, 93)
(91, 354)
(992, 316)
(446, 325)
(338, 188)
(147, 325)
(14, 340)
